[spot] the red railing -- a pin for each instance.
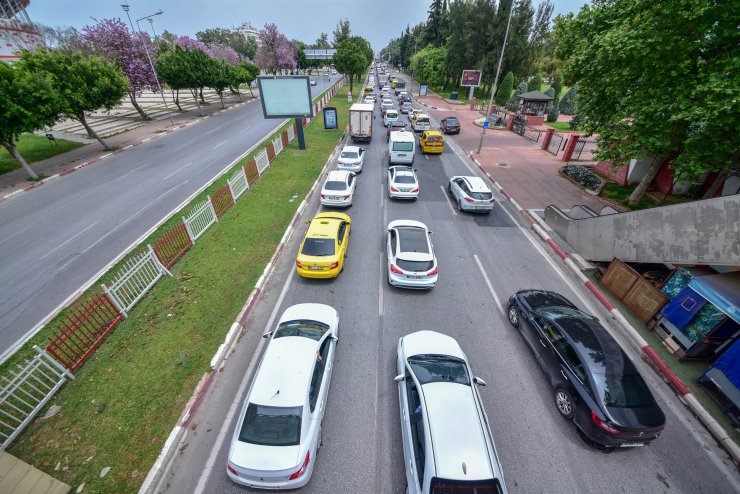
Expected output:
(172, 245)
(222, 200)
(252, 172)
(82, 330)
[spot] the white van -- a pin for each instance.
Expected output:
(390, 116)
(401, 148)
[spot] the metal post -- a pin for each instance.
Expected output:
(299, 132)
(495, 81)
(156, 77)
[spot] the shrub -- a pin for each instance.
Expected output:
(535, 84)
(575, 122)
(504, 91)
(568, 104)
(554, 113)
(582, 175)
(550, 92)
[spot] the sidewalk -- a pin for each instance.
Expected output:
(16, 180)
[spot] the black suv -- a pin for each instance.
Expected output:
(450, 125)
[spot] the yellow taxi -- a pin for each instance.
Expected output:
(368, 90)
(322, 251)
(432, 142)
(393, 84)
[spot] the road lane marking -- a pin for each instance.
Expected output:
(447, 198)
(184, 166)
(488, 282)
(200, 487)
(67, 241)
(220, 144)
(15, 234)
(129, 173)
(380, 285)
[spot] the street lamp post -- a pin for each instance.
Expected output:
(495, 81)
(411, 91)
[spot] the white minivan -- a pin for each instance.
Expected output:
(401, 148)
(390, 116)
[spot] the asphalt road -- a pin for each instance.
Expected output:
(361, 451)
(55, 238)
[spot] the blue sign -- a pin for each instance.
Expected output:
(485, 124)
(330, 118)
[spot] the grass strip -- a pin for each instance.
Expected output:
(34, 148)
(129, 394)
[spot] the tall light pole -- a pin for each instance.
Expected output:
(495, 81)
(411, 73)
(151, 24)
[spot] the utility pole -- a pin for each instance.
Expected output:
(495, 81)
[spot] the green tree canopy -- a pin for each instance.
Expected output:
(429, 64)
(214, 35)
(342, 32)
(504, 90)
(352, 57)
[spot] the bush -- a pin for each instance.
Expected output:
(522, 88)
(535, 84)
(582, 175)
(504, 91)
(550, 92)
(568, 104)
(554, 113)
(575, 122)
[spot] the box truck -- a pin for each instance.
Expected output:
(361, 122)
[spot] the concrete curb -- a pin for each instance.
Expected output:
(660, 367)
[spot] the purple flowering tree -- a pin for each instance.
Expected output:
(110, 39)
(225, 53)
(275, 52)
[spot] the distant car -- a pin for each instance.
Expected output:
(338, 189)
(450, 125)
(386, 100)
(595, 383)
(402, 183)
(471, 194)
(369, 100)
(421, 122)
(411, 260)
(313, 82)
(404, 98)
(431, 142)
(333, 72)
(402, 95)
(322, 251)
(351, 159)
(278, 435)
(386, 106)
(390, 116)
(395, 126)
(406, 107)
(447, 442)
(412, 112)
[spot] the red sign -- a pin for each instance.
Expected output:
(471, 78)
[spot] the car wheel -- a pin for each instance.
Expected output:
(564, 403)
(449, 188)
(459, 205)
(513, 314)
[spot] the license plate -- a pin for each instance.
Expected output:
(317, 268)
(414, 276)
(631, 445)
(336, 198)
(405, 190)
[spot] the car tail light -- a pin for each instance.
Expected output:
(603, 425)
(302, 470)
(415, 189)
(433, 272)
(467, 199)
(492, 200)
(394, 269)
(323, 196)
(393, 189)
(298, 264)
(334, 265)
(346, 197)
(231, 469)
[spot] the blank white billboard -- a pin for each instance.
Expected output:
(285, 96)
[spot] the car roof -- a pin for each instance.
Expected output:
(413, 239)
(427, 342)
(402, 135)
(325, 224)
(355, 149)
(403, 170)
(433, 132)
(337, 175)
(285, 372)
(476, 184)
(314, 312)
(421, 114)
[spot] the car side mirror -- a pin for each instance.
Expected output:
(480, 382)
(308, 222)
(399, 378)
(430, 232)
(267, 335)
(335, 337)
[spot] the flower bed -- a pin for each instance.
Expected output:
(582, 175)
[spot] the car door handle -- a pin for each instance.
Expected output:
(543, 343)
(563, 373)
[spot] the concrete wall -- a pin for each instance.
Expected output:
(700, 232)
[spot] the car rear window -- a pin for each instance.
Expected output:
(332, 185)
(271, 426)
(439, 368)
(452, 121)
(349, 155)
(309, 329)
(413, 240)
(391, 114)
(623, 391)
(405, 179)
(318, 247)
(415, 266)
(422, 119)
(435, 140)
(481, 196)
(403, 146)
(444, 486)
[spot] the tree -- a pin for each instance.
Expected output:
(245, 46)
(342, 32)
(428, 65)
(352, 58)
(568, 104)
(111, 40)
(433, 31)
(225, 53)
(322, 41)
(28, 102)
(83, 83)
(300, 55)
(661, 78)
(513, 103)
(65, 39)
(173, 68)
(554, 113)
(221, 75)
(504, 90)
(275, 53)
(556, 85)
(214, 35)
(535, 84)
(248, 72)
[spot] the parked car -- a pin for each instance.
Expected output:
(471, 194)
(338, 189)
(322, 251)
(447, 441)
(431, 142)
(595, 383)
(313, 82)
(390, 116)
(410, 253)
(402, 183)
(278, 435)
(450, 125)
(352, 158)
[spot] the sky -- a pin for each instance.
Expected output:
(377, 21)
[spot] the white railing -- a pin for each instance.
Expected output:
(277, 145)
(139, 274)
(291, 134)
(200, 218)
(26, 392)
(262, 161)
(238, 183)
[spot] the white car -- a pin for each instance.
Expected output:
(313, 82)
(447, 441)
(471, 194)
(385, 106)
(402, 94)
(390, 116)
(402, 183)
(369, 100)
(410, 253)
(385, 92)
(412, 111)
(278, 433)
(338, 189)
(351, 159)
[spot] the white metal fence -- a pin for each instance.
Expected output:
(238, 183)
(139, 274)
(277, 144)
(291, 133)
(27, 391)
(200, 218)
(262, 161)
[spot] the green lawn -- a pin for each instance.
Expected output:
(620, 194)
(127, 397)
(34, 148)
(563, 126)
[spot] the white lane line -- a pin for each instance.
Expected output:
(220, 144)
(490, 286)
(15, 234)
(184, 166)
(449, 203)
(426, 156)
(380, 286)
(67, 241)
(240, 394)
(213, 130)
(129, 173)
(246, 129)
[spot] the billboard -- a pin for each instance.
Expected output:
(285, 96)
(470, 78)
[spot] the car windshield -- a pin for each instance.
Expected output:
(403, 146)
(391, 114)
(445, 486)
(405, 179)
(623, 391)
(349, 155)
(415, 266)
(452, 121)
(271, 426)
(310, 329)
(413, 239)
(318, 247)
(421, 119)
(439, 368)
(481, 196)
(334, 185)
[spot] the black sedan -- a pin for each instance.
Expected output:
(596, 385)
(450, 125)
